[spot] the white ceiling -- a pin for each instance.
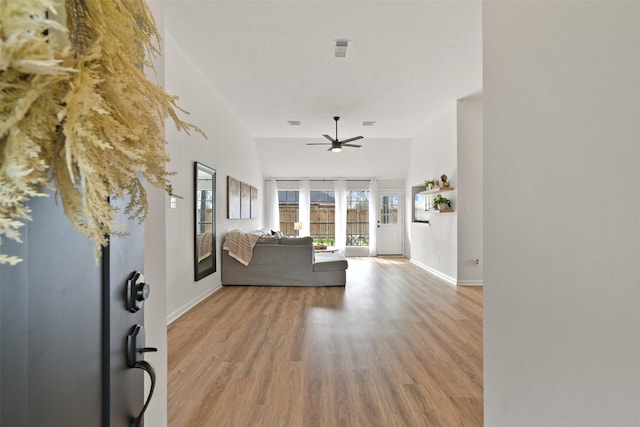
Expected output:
(273, 62)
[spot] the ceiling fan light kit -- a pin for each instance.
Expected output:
(336, 144)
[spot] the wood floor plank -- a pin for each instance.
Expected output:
(395, 347)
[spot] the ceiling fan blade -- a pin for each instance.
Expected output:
(336, 144)
(355, 138)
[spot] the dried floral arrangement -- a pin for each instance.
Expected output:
(78, 112)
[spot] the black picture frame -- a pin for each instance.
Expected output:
(204, 256)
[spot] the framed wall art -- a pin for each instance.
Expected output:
(245, 201)
(242, 200)
(254, 202)
(233, 198)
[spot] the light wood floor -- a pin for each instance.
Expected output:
(395, 347)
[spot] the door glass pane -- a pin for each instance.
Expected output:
(389, 209)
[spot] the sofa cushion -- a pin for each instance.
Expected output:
(330, 262)
(268, 240)
(296, 241)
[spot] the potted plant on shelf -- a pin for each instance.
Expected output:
(429, 184)
(442, 203)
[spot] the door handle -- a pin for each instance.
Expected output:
(135, 353)
(135, 361)
(148, 368)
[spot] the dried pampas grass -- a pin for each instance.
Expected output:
(80, 113)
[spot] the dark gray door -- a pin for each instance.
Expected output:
(125, 390)
(62, 333)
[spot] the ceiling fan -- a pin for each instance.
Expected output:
(336, 144)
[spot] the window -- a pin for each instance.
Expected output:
(389, 209)
(357, 218)
(288, 206)
(323, 216)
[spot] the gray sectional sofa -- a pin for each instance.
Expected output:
(286, 262)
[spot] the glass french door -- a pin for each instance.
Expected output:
(390, 237)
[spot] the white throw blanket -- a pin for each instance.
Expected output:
(204, 245)
(240, 245)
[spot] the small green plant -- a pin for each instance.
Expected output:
(439, 201)
(429, 182)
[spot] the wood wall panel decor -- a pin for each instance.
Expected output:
(233, 198)
(254, 202)
(245, 201)
(242, 200)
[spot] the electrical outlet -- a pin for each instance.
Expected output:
(173, 202)
(477, 261)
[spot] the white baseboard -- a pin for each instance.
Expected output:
(470, 283)
(435, 272)
(188, 306)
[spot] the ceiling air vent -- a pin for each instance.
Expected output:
(294, 122)
(367, 123)
(341, 48)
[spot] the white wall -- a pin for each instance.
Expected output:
(469, 191)
(230, 150)
(391, 184)
(561, 203)
(432, 153)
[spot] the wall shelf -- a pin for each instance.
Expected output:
(437, 190)
(423, 198)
